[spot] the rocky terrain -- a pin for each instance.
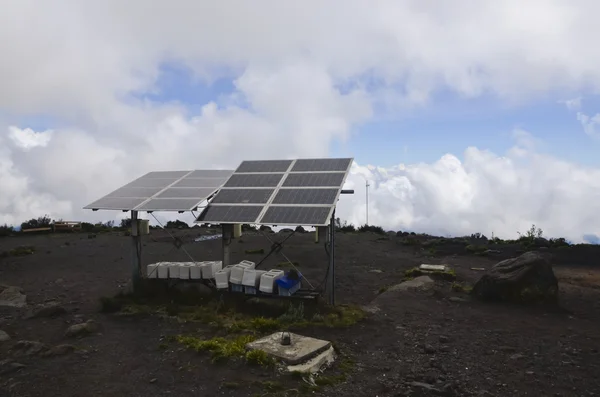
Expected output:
(62, 332)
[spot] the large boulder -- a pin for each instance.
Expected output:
(527, 278)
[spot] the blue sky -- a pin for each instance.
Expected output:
(448, 124)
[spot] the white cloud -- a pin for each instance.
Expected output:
(572, 104)
(27, 139)
(80, 62)
(484, 193)
(590, 124)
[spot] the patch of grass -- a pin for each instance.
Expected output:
(476, 249)
(371, 229)
(259, 324)
(23, 250)
(231, 385)
(260, 358)
(294, 314)
(412, 241)
(287, 265)
(459, 287)
(220, 348)
(381, 290)
(271, 386)
(254, 251)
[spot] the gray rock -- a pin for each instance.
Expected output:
(8, 366)
(425, 387)
(48, 310)
(4, 336)
(524, 279)
(421, 282)
(13, 297)
(59, 350)
(87, 328)
(29, 347)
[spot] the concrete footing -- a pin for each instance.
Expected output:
(303, 354)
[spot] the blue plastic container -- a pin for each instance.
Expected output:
(287, 287)
(237, 288)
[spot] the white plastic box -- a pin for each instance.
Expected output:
(267, 280)
(152, 270)
(237, 271)
(184, 270)
(251, 280)
(210, 268)
(163, 270)
(174, 270)
(222, 277)
(196, 270)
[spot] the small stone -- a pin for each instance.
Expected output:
(456, 299)
(13, 297)
(49, 310)
(153, 380)
(443, 339)
(375, 271)
(4, 336)
(517, 356)
(29, 347)
(59, 350)
(429, 349)
(89, 327)
(8, 366)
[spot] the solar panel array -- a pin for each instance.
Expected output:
(280, 192)
(164, 191)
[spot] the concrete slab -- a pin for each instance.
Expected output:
(315, 364)
(433, 268)
(301, 349)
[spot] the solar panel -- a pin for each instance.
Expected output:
(152, 182)
(230, 214)
(166, 174)
(164, 191)
(170, 204)
(306, 196)
(304, 165)
(210, 174)
(264, 166)
(200, 182)
(281, 192)
(253, 180)
(186, 192)
(297, 215)
(243, 196)
(140, 192)
(116, 203)
(333, 179)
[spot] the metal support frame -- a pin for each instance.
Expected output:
(331, 268)
(227, 230)
(136, 257)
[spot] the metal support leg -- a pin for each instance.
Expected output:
(136, 253)
(227, 231)
(331, 272)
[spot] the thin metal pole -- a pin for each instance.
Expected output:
(136, 260)
(367, 184)
(331, 272)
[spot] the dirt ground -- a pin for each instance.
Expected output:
(437, 342)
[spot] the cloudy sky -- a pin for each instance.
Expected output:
(465, 116)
